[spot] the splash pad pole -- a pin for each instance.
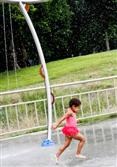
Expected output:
(48, 141)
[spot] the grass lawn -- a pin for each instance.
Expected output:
(71, 69)
(67, 70)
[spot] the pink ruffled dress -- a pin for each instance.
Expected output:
(70, 129)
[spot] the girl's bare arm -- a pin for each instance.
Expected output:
(68, 113)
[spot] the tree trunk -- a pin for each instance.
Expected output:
(107, 41)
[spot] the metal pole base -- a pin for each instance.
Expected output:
(47, 143)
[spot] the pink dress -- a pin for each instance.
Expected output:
(70, 129)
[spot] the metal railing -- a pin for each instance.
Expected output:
(96, 133)
(23, 116)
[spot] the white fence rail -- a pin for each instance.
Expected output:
(98, 97)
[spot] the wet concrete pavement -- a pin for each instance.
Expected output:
(100, 149)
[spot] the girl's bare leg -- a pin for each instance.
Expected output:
(65, 145)
(82, 140)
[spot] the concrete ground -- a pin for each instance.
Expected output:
(100, 149)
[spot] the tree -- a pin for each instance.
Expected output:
(65, 28)
(53, 27)
(90, 25)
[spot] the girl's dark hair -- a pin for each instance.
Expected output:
(76, 102)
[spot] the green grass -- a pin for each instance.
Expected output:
(67, 70)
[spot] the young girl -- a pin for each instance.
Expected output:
(70, 130)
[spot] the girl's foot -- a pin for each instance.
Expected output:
(56, 159)
(80, 156)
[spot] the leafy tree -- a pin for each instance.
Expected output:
(53, 27)
(65, 28)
